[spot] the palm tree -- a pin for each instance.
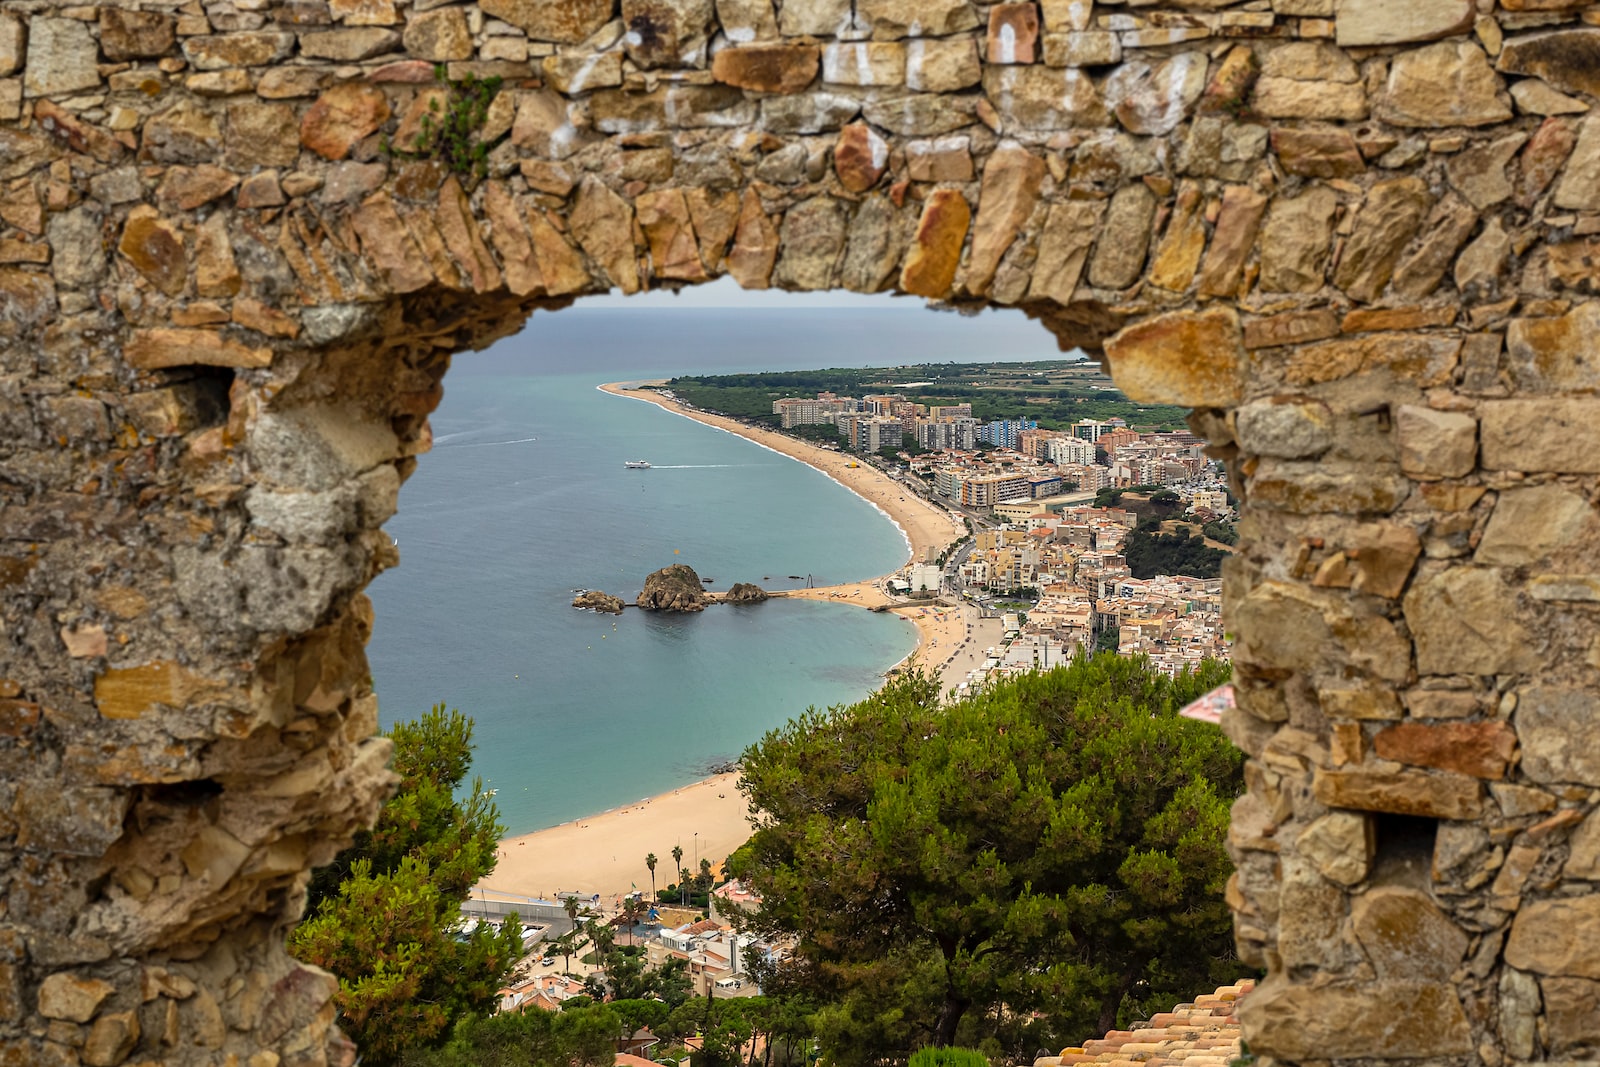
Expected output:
(683, 881)
(677, 858)
(650, 861)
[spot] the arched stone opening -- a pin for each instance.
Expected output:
(1359, 243)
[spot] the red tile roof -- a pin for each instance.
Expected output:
(1202, 1034)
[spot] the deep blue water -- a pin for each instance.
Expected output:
(525, 499)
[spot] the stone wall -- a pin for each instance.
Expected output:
(1361, 244)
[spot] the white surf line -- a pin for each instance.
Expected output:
(487, 444)
(904, 536)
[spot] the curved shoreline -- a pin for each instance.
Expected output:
(603, 853)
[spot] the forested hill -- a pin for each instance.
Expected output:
(1055, 393)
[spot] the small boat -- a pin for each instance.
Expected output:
(707, 581)
(637, 464)
(797, 577)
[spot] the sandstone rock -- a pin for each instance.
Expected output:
(544, 125)
(811, 112)
(1567, 59)
(1012, 179)
(1443, 233)
(947, 159)
(64, 995)
(78, 250)
(744, 21)
(1013, 33)
(438, 36)
(1280, 426)
(891, 20)
(155, 248)
(1152, 101)
(1183, 357)
(216, 271)
(1295, 241)
(1392, 214)
(13, 44)
(1340, 844)
(1530, 524)
(715, 216)
(755, 245)
(667, 33)
(1290, 328)
(1584, 860)
(1318, 152)
(1069, 233)
(1535, 97)
(595, 600)
(1548, 434)
(1580, 185)
(1461, 625)
(1406, 936)
(1430, 794)
(561, 268)
(74, 820)
(187, 188)
(674, 588)
(1481, 264)
(602, 222)
(860, 157)
(1370, 22)
(1036, 97)
(864, 63)
(1445, 84)
(872, 253)
(1312, 629)
(821, 18)
(1550, 723)
(745, 593)
(774, 68)
(1478, 749)
(1557, 937)
(156, 348)
(1399, 1018)
(575, 74)
(1310, 914)
(1090, 48)
(111, 1039)
(935, 253)
(341, 117)
(693, 106)
(126, 35)
(224, 51)
(921, 114)
(1232, 240)
(558, 21)
(942, 66)
(1436, 444)
(62, 57)
(1309, 61)
(1571, 1013)
(812, 238)
(1479, 174)
(1120, 251)
(1178, 255)
(1286, 98)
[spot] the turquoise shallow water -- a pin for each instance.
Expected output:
(524, 499)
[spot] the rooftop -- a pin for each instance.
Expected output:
(1202, 1034)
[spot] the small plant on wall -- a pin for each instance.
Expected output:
(449, 131)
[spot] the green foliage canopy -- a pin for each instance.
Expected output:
(1052, 844)
(1150, 552)
(384, 914)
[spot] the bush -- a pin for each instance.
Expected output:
(948, 1057)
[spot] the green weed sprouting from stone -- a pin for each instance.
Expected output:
(449, 133)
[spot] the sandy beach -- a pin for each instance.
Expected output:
(605, 853)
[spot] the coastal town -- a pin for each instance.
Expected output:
(1049, 514)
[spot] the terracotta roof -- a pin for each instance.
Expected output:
(1202, 1034)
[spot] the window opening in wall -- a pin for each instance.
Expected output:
(1403, 850)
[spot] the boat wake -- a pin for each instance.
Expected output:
(483, 444)
(696, 466)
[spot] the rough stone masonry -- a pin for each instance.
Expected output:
(1361, 238)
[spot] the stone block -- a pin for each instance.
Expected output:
(1013, 33)
(557, 21)
(864, 63)
(1377, 22)
(767, 68)
(1124, 239)
(1406, 936)
(1445, 84)
(1388, 219)
(75, 820)
(1436, 444)
(127, 34)
(63, 57)
(1555, 726)
(1557, 937)
(1530, 524)
(667, 33)
(1571, 1013)
(935, 253)
(942, 65)
(1552, 354)
(1568, 59)
(1400, 1019)
(1478, 749)
(1041, 97)
(1150, 101)
(438, 36)
(891, 20)
(1340, 844)
(66, 996)
(1088, 48)
(1431, 794)
(1557, 434)
(1012, 178)
(1284, 427)
(1183, 357)
(1462, 621)
(230, 50)
(1296, 239)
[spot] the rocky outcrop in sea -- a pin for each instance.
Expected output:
(674, 588)
(595, 600)
(745, 593)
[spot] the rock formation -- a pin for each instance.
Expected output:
(595, 600)
(1360, 237)
(674, 588)
(745, 593)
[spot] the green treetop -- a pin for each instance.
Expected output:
(1051, 845)
(384, 915)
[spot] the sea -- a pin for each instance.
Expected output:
(524, 500)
